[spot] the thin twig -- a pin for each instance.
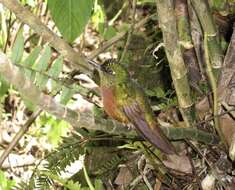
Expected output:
(128, 40)
(211, 165)
(118, 37)
(19, 135)
(8, 32)
(41, 29)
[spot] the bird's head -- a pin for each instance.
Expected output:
(112, 70)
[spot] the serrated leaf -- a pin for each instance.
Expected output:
(42, 65)
(73, 185)
(70, 16)
(66, 94)
(18, 48)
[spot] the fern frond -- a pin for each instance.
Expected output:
(110, 165)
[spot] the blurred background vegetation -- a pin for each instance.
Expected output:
(54, 133)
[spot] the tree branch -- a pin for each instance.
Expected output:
(42, 30)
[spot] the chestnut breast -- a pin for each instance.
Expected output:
(110, 105)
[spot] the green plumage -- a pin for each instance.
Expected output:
(125, 101)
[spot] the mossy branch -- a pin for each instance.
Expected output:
(179, 73)
(213, 84)
(214, 49)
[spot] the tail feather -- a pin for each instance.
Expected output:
(151, 133)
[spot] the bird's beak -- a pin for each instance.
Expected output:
(94, 64)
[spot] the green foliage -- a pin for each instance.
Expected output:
(54, 128)
(66, 183)
(98, 185)
(166, 99)
(109, 33)
(54, 72)
(30, 60)
(4, 86)
(66, 95)
(5, 184)
(41, 66)
(218, 4)
(38, 68)
(18, 48)
(141, 2)
(109, 165)
(70, 16)
(68, 152)
(98, 19)
(3, 25)
(31, 3)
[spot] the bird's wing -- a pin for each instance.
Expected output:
(151, 133)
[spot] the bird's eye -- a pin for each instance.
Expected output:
(110, 71)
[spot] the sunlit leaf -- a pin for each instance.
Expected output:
(98, 18)
(58, 128)
(99, 184)
(6, 184)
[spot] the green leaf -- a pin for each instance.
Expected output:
(30, 60)
(54, 128)
(56, 67)
(66, 94)
(4, 86)
(44, 60)
(70, 16)
(31, 3)
(69, 184)
(145, 1)
(58, 128)
(18, 48)
(109, 33)
(30, 105)
(54, 72)
(99, 185)
(98, 18)
(4, 27)
(73, 185)
(5, 184)
(42, 65)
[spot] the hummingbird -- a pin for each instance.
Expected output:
(125, 101)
